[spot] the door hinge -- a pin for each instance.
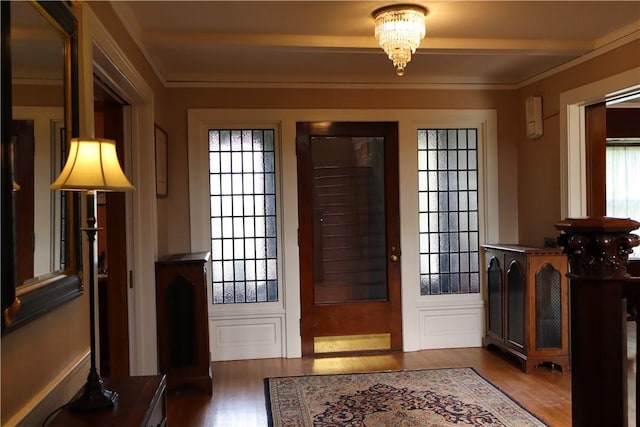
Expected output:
(130, 279)
(298, 237)
(300, 331)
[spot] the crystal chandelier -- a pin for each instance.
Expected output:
(399, 30)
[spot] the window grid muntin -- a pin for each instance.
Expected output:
(448, 211)
(242, 191)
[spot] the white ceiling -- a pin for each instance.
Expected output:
(497, 43)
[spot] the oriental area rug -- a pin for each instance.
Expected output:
(411, 398)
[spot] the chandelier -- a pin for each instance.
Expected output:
(399, 29)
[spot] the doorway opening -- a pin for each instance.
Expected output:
(112, 244)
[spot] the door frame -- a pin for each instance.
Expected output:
(573, 177)
(101, 55)
(113, 294)
(436, 321)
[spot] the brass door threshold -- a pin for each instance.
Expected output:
(352, 344)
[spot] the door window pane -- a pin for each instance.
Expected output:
(348, 201)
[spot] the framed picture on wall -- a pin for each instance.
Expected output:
(162, 163)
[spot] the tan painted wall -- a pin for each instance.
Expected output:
(529, 175)
(104, 11)
(34, 356)
(176, 237)
(539, 160)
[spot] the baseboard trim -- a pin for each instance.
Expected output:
(55, 394)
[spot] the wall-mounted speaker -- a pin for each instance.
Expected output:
(534, 116)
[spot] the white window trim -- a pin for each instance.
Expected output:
(287, 309)
(573, 176)
(199, 199)
(462, 315)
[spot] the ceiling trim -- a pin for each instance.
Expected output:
(586, 50)
(313, 42)
(584, 58)
(619, 33)
(127, 17)
(331, 85)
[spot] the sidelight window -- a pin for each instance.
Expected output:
(242, 189)
(448, 211)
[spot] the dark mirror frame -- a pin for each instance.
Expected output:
(21, 304)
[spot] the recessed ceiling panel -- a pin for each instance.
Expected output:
(484, 42)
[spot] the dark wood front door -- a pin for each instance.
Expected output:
(349, 236)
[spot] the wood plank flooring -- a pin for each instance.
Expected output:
(238, 390)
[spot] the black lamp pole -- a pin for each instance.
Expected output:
(94, 395)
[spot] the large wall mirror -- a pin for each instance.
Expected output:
(41, 255)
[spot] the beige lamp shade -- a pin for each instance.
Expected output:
(92, 165)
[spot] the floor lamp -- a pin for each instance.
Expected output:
(92, 166)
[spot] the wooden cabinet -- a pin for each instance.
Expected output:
(527, 304)
(182, 320)
(142, 402)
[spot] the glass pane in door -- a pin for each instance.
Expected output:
(349, 238)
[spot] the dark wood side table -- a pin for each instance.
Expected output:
(183, 320)
(142, 402)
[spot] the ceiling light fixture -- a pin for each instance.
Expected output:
(399, 30)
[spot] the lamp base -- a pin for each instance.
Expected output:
(94, 396)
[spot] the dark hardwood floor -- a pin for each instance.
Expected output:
(238, 391)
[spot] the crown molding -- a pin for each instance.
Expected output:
(603, 45)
